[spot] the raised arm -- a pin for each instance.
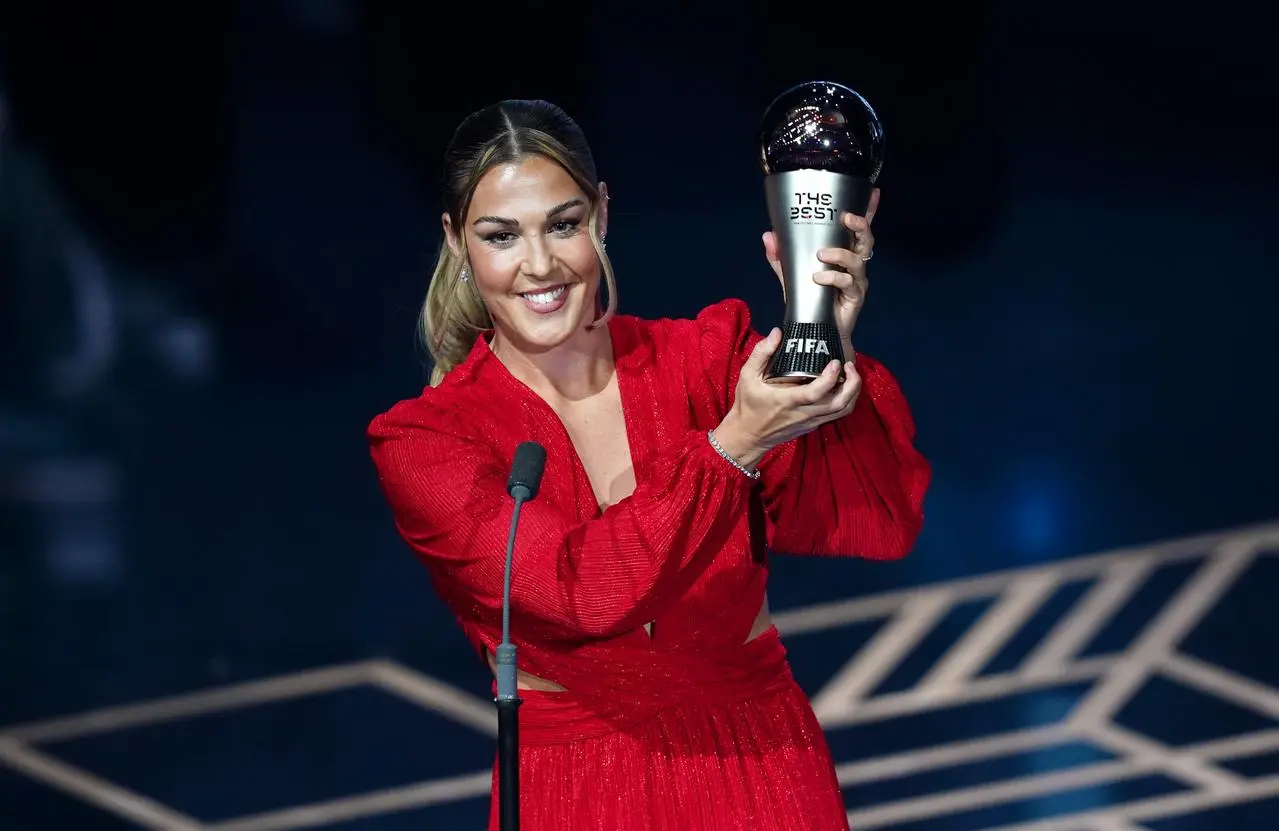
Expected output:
(572, 579)
(853, 487)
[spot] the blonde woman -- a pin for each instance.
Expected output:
(657, 694)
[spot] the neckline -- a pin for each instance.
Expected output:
(485, 361)
(627, 359)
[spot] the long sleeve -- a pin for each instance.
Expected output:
(853, 487)
(573, 579)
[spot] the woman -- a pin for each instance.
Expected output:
(656, 693)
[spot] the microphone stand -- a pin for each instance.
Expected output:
(508, 698)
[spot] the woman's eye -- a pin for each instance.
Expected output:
(563, 228)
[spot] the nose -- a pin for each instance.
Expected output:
(539, 264)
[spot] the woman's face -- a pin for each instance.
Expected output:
(530, 253)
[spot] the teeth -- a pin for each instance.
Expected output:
(544, 297)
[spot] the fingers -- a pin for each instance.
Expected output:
(782, 412)
(862, 250)
(856, 224)
(770, 247)
(842, 280)
(819, 389)
(852, 287)
(770, 253)
(825, 396)
(760, 355)
(863, 237)
(863, 247)
(845, 397)
(854, 259)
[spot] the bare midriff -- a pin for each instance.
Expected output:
(526, 681)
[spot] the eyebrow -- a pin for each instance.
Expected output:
(558, 209)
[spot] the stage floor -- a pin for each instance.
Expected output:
(1112, 692)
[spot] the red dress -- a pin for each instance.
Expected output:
(691, 728)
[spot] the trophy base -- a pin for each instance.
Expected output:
(805, 350)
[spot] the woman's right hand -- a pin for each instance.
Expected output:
(765, 415)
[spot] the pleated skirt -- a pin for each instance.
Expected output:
(758, 764)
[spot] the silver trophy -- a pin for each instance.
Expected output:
(821, 149)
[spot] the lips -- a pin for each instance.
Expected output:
(545, 301)
(545, 295)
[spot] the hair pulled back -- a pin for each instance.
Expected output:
(507, 132)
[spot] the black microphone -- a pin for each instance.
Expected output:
(522, 485)
(526, 471)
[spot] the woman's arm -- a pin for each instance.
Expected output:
(853, 487)
(572, 579)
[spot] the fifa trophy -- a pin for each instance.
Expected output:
(821, 149)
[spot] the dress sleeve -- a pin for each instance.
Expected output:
(853, 487)
(572, 579)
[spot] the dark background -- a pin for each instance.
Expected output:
(217, 221)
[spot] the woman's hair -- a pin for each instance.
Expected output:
(510, 131)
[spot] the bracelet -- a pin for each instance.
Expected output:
(753, 474)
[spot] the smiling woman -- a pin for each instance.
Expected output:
(536, 268)
(656, 693)
(529, 216)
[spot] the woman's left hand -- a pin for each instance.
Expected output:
(849, 274)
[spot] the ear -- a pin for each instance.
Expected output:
(450, 235)
(603, 209)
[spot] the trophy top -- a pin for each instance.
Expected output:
(821, 125)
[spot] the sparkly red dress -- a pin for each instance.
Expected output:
(691, 727)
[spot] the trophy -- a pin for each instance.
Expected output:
(821, 148)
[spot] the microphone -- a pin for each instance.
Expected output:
(522, 485)
(526, 471)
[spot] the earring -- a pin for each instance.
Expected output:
(603, 242)
(464, 275)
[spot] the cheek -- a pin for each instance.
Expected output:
(579, 256)
(494, 271)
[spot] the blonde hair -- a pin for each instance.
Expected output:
(453, 315)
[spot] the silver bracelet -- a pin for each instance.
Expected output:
(710, 435)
